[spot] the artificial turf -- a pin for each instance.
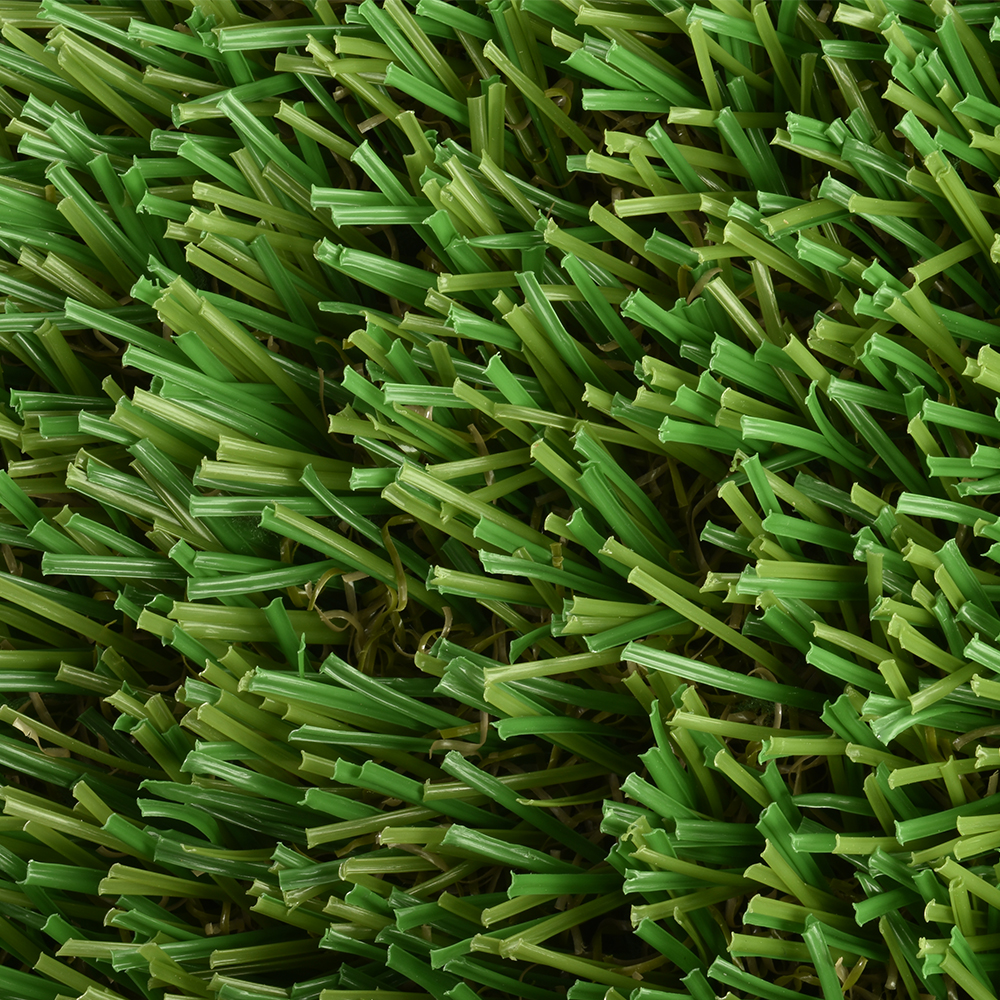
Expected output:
(499, 500)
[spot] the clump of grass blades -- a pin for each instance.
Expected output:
(499, 500)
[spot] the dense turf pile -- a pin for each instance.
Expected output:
(499, 500)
